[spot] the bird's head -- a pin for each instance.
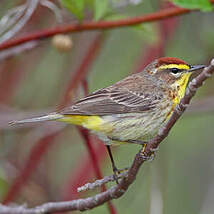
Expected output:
(172, 71)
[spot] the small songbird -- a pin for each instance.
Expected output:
(133, 109)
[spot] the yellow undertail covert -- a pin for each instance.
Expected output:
(91, 122)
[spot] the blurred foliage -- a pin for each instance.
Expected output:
(179, 180)
(203, 5)
(75, 6)
(100, 7)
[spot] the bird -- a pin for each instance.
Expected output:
(133, 109)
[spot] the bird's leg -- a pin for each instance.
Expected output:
(142, 153)
(115, 170)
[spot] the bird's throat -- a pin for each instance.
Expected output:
(177, 91)
(179, 88)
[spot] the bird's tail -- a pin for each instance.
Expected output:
(48, 117)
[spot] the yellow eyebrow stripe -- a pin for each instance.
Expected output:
(179, 66)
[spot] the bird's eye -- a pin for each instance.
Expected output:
(175, 70)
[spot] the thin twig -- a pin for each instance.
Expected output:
(18, 49)
(118, 190)
(52, 6)
(31, 6)
(100, 25)
(100, 182)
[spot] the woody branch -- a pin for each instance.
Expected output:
(118, 190)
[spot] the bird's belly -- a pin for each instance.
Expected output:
(135, 126)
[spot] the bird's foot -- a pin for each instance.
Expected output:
(117, 173)
(147, 157)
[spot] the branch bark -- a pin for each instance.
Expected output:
(118, 190)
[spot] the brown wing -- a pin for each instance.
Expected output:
(116, 99)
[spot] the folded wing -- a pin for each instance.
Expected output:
(110, 100)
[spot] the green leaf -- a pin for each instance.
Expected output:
(100, 8)
(203, 5)
(75, 6)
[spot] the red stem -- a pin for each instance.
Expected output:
(82, 172)
(43, 144)
(34, 158)
(9, 77)
(82, 71)
(88, 141)
(166, 30)
(92, 25)
(93, 155)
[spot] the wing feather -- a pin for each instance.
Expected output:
(113, 100)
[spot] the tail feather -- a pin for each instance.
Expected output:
(52, 116)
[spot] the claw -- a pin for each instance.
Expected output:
(117, 172)
(146, 157)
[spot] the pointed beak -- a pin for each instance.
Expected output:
(196, 67)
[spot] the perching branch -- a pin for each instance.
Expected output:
(118, 190)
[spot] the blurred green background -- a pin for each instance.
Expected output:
(179, 180)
